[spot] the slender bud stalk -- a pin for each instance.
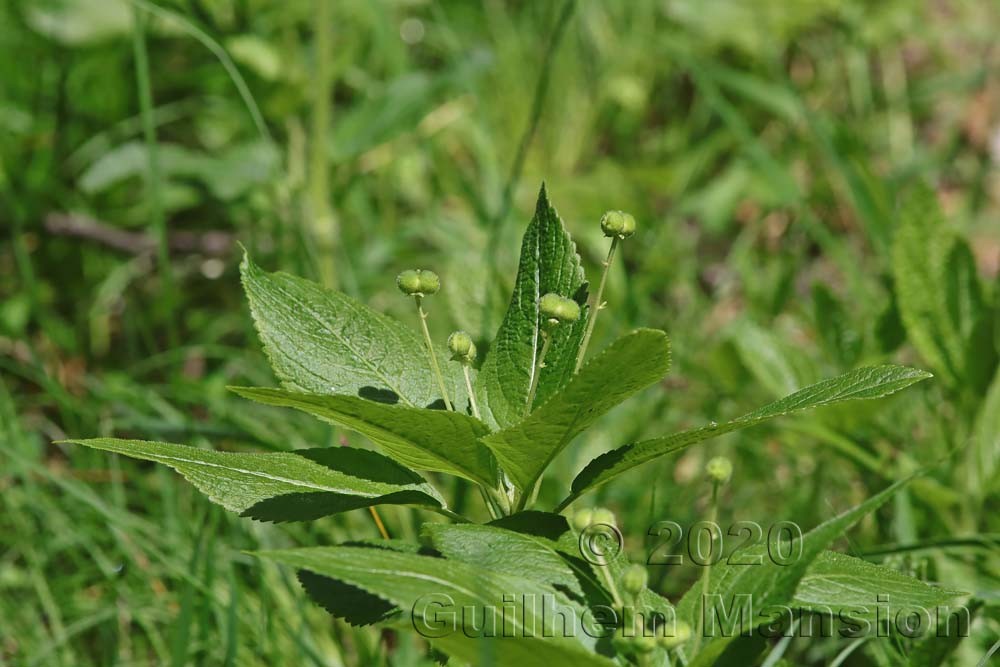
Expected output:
(430, 351)
(597, 305)
(378, 522)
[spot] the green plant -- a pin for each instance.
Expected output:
(500, 430)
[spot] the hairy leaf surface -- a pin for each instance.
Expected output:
(285, 486)
(631, 363)
(862, 383)
(324, 342)
(548, 263)
(416, 437)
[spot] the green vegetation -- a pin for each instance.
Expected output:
(815, 194)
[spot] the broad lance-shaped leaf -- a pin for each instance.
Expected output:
(743, 590)
(837, 581)
(416, 437)
(285, 486)
(476, 615)
(324, 342)
(549, 263)
(862, 383)
(629, 364)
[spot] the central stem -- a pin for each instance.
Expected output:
(538, 368)
(597, 305)
(430, 351)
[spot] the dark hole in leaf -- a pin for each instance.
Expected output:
(437, 405)
(582, 293)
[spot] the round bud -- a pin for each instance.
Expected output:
(569, 310)
(582, 519)
(461, 347)
(603, 516)
(617, 223)
(408, 282)
(429, 282)
(549, 305)
(719, 469)
(681, 633)
(418, 282)
(634, 579)
(556, 309)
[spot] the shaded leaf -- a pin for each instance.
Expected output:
(416, 437)
(862, 383)
(285, 486)
(462, 596)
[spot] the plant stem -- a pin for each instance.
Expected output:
(538, 368)
(597, 306)
(154, 183)
(472, 394)
(378, 522)
(430, 351)
(707, 572)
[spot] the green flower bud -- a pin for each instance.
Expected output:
(617, 223)
(634, 579)
(408, 282)
(604, 516)
(719, 469)
(582, 519)
(681, 633)
(429, 282)
(418, 282)
(461, 347)
(556, 309)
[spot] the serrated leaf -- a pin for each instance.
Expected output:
(419, 438)
(414, 583)
(506, 551)
(862, 383)
(324, 342)
(837, 581)
(548, 263)
(631, 363)
(744, 588)
(932, 286)
(285, 486)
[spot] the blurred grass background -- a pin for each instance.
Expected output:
(763, 147)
